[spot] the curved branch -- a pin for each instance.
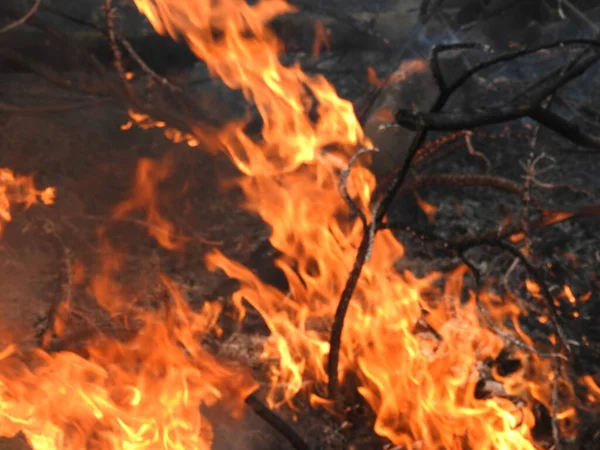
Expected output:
(28, 15)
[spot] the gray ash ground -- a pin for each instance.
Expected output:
(91, 162)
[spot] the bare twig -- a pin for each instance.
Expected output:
(96, 89)
(161, 80)
(539, 277)
(110, 15)
(459, 180)
(280, 425)
(477, 275)
(381, 208)
(471, 150)
(17, 23)
(531, 107)
(164, 81)
(343, 184)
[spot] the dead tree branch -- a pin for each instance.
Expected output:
(435, 120)
(28, 15)
(531, 107)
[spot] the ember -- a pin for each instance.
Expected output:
(441, 360)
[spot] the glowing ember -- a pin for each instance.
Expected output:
(19, 190)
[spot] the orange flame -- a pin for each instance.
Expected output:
(322, 39)
(145, 197)
(19, 190)
(418, 351)
(429, 209)
(421, 388)
(132, 394)
(141, 392)
(233, 39)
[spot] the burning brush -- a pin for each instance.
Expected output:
(442, 364)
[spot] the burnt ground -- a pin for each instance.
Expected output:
(91, 162)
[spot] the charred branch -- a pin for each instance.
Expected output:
(275, 421)
(422, 123)
(531, 106)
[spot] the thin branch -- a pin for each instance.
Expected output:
(437, 50)
(532, 108)
(110, 15)
(164, 81)
(468, 120)
(146, 68)
(280, 425)
(539, 277)
(28, 15)
(460, 180)
(477, 275)
(343, 184)
(471, 150)
(361, 257)
(512, 56)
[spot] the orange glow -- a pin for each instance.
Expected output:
(420, 385)
(145, 122)
(373, 79)
(421, 389)
(417, 347)
(322, 39)
(145, 197)
(143, 393)
(244, 54)
(19, 190)
(569, 294)
(429, 209)
(551, 217)
(533, 288)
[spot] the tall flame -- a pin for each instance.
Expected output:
(144, 391)
(421, 388)
(232, 37)
(417, 350)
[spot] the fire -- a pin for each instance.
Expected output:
(418, 351)
(143, 393)
(19, 190)
(234, 41)
(422, 388)
(145, 196)
(145, 122)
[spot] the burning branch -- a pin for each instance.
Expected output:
(435, 120)
(304, 151)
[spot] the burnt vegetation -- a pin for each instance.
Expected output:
(507, 154)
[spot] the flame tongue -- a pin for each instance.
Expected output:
(19, 190)
(234, 41)
(416, 350)
(143, 393)
(421, 388)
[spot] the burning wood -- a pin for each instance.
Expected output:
(442, 361)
